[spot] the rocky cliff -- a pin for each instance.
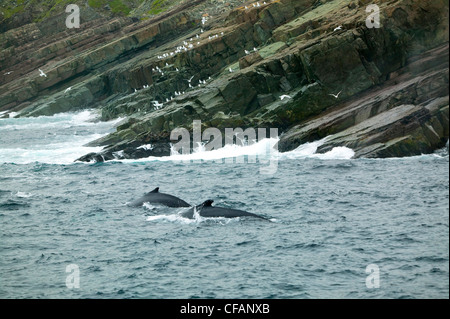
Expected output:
(311, 68)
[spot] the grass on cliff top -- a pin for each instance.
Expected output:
(10, 8)
(42, 9)
(322, 11)
(159, 6)
(117, 6)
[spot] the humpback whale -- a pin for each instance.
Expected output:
(207, 210)
(155, 197)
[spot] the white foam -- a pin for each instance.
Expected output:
(303, 151)
(309, 150)
(62, 143)
(170, 218)
(146, 147)
(66, 154)
(337, 153)
(177, 218)
(261, 149)
(23, 195)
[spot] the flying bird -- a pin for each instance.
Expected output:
(284, 97)
(335, 95)
(8, 73)
(42, 73)
(338, 28)
(68, 89)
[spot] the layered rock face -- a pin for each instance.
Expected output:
(310, 68)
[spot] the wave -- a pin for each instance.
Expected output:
(61, 156)
(57, 139)
(58, 121)
(263, 151)
(309, 150)
(177, 218)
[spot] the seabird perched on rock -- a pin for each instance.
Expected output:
(157, 104)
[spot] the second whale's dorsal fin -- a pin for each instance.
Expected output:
(208, 203)
(156, 190)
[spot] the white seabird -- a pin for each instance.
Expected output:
(42, 73)
(157, 104)
(335, 95)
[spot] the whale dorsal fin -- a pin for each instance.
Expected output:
(208, 203)
(156, 190)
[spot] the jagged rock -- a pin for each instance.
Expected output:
(248, 60)
(408, 115)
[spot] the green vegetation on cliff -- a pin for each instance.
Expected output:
(159, 6)
(16, 13)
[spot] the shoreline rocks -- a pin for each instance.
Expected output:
(390, 84)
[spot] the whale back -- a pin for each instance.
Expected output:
(155, 197)
(207, 210)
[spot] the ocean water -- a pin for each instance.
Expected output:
(337, 228)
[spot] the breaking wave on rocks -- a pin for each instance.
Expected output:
(57, 139)
(60, 139)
